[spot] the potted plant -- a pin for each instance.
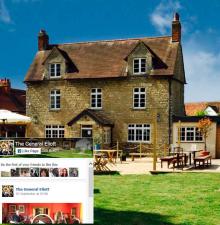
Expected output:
(204, 126)
(97, 141)
(123, 157)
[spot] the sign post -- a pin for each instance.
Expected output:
(179, 132)
(155, 142)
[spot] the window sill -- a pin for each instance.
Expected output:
(54, 110)
(95, 108)
(137, 142)
(54, 78)
(138, 109)
(139, 74)
(54, 138)
(188, 142)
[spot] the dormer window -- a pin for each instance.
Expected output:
(139, 66)
(54, 70)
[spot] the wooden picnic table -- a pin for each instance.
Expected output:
(203, 160)
(179, 157)
(109, 153)
(100, 162)
(168, 159)
(140, 154)
(178, 151)
(192, 153)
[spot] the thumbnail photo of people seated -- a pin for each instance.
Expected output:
(41, 172)
(24, 172)
(44, 172)
(54, 172)
(15, 172)
(6, 147)
(63, 172)
(73, 172)
(34, 172)
(41, 213)
(7, 191)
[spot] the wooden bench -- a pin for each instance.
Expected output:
(168, 159)
(203, 159)
(137, 154)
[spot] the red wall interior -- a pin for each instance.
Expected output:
(53, 208)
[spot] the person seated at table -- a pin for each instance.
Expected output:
(60, 218)
(17, 218)
(75, 220)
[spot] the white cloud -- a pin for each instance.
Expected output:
(5, 16)
(202, 67)
(202, 70)
(162, 15)
(4, 13)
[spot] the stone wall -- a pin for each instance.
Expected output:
(117, 95)
(177, 86)
(177, 95)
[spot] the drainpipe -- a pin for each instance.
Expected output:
(169, 111)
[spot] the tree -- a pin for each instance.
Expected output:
(201, 113)
(204, 126)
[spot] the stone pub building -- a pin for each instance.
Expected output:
(109, 90)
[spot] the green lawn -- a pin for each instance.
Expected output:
(59, 154)
(166, 199)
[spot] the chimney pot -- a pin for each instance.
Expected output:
(176, 17)
(5, 85)
(43, 40)
(176, 28)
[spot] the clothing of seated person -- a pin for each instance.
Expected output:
(17, 217)
(75, 220)
(59, 218)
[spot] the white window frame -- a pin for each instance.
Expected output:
(54, 94)
(139, 66)
(189, 129)
(95, 95)
(50, 129)
(139, 93)
(55, 73)
(107, 136)
(142, 127)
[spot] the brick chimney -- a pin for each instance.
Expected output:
(5, 85)
(43, 40)
(176, 28)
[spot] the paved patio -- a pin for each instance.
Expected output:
(145, 165)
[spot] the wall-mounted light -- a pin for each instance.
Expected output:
(4, 121)
(35, 119)
(3, 128)
(158, 117)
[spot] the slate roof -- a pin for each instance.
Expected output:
(107, 59)
(97, 116)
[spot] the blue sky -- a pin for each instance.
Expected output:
(82, 20)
